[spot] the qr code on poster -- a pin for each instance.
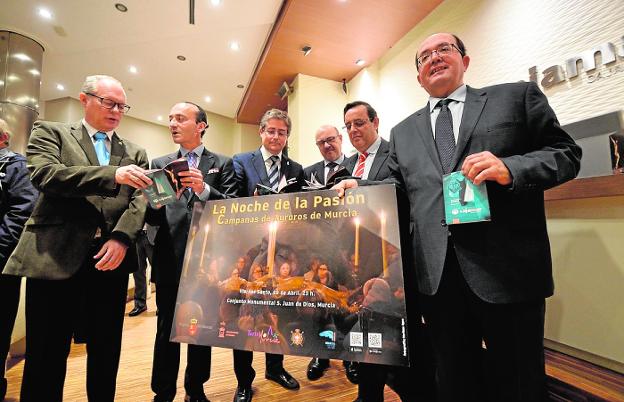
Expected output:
(356, 339)
(374, 340)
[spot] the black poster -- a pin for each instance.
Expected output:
(306, 274)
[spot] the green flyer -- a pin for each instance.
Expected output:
(464, 202)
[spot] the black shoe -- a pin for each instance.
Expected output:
(243, 394)
(351, 371)
(200, 398)
(284, 379)
(316, 368)
(137, 310)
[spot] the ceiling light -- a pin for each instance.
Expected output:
(159, 118)
(235, 46)
(181, 58)
(1, 83)
(22, 57)
(34, 72)
(45, 13)
(60, 87)
(215, 3)
(306, 50)
(208, 99)
(121, 7)
(360, 62)
(133, 70)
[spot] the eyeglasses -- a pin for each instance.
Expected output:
(110, 104)
(272, 132)
(359, 123)
(327, 140)
(443, 50)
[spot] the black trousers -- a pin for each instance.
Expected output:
(9, 301)
(244, 371)
(89, 307)
(512, 367)
(167, 354)
(144, 254)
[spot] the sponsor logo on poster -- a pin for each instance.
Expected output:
(296, 337)
(329, 339)
(264, 335)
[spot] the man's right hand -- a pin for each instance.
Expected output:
(132, 175)
(344, 185)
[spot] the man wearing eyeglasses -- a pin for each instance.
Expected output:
(329, 143)
(270, 166)
(77, 248)
(362, 123)
(482, 282)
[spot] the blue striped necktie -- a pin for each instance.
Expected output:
(274, 172)
(101, 151)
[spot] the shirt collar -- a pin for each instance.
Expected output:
(458, 95)
(338, 161)
(266, 154)
(91, 130)
(199, 150)
(374, 146)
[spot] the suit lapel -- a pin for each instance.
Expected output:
(118, 149)
(206, 162)
(284, 167)
(422, 127)
(258, 164)
(475, 101)
(320, 172)
(82, 136)
(349, 163)
(380, 159)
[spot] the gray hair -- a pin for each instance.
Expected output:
(275, 114)
(90, 83)
(4, 128)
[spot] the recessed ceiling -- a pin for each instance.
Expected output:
(340, 32)
(85, 37)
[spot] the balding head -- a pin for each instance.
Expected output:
(329, 142)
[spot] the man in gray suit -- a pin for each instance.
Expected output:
(482, 281)
(77, 248)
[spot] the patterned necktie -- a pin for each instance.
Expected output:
(101, 151)
(332, 168)
(444, 137)
(359, 170)
(274, 172)
(191, 157)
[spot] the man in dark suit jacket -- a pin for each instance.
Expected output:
(329, 143)
(362, 124)
(17, 199)
(210, 176)
(482, 281)
(77, 249)
(371, 163)
(270, 167)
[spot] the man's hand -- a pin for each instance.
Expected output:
(132, 175)
(194, 179)
(485, 166)
(344, 185)
(111, 255)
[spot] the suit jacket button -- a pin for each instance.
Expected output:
(443, 222)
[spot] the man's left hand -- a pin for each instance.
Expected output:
(111, 255)
(485, 166)
(194, 179)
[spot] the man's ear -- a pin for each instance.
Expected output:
(83, 98)
(4, 138)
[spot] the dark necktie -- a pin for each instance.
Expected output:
(274, 172)
(332, 168)
(444, 137)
